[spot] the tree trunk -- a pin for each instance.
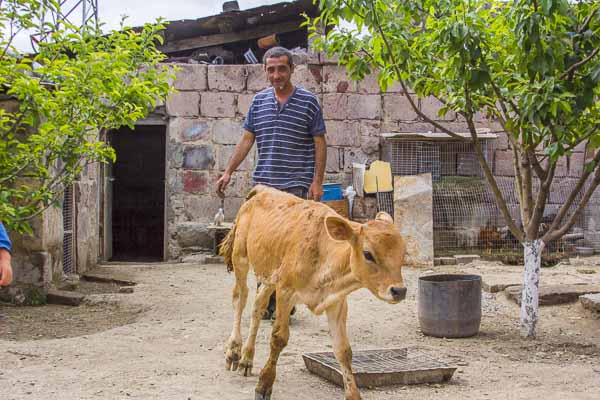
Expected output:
(531, 283)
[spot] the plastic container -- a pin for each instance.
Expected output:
(450, 305)
(332, 191)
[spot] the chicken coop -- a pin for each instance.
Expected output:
(466, 219)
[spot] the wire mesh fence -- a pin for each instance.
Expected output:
(466, 218)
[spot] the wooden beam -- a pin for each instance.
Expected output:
(223, 38)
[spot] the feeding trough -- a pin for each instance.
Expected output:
(450, 305)
(404, 366)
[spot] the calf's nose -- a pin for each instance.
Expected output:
(398, 293)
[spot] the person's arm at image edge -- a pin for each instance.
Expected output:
(316, 188)
(5, 258)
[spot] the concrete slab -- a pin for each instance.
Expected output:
(64, 297)
(445, 261)
(106, 278)
(591, 301)
(555, 294)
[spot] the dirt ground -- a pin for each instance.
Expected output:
(165, 341)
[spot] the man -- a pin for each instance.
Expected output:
(286, 122)
(5, 258)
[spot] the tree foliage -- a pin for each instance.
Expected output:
(531, 65)
(78, 85)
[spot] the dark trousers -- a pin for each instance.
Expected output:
(301, 192)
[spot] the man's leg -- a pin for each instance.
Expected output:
(298, 191)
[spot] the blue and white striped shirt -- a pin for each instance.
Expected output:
(284, 137)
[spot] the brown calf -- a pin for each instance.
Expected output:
(309, 255)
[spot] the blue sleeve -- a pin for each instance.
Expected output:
(317, 125)
(4, 240)
(249, 121)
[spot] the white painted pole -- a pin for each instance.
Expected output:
(531, 284)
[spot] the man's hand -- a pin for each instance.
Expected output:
(222, 184)
(315, 192)
(6, 274)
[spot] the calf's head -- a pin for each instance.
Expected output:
(376, 254)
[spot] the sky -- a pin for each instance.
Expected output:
(142, 11)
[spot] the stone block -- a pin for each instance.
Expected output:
(189, 130)
(257, 78)
(224, 154)
(183, 104)
(193, 234)
(561, 167)
(466, 258)
(342, 133)
(335, 80)
(243, 104)
(503, 163)
(218, 104)
(239, 186)
(174, 154)
(308, 77)
(590, 301)
(227, 78)
(371, 128)
(370, 146)
(199, 208)
(430, 106)
(232, 205)
(576, 164)
(335, 157)
(353, 155)
(397, 107)
(226, 131)
(64, 297)
(580, 148)
(196, 182)
(198, 157)
(362, 106)
(369, 84)
(413, 215)
(555, 294)
(324, 58)
(388, 126)
(190, 77)
(335, 106)
(502, 142)
(457, 127)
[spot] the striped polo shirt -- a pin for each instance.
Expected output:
(284, 137)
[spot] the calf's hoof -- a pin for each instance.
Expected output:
(262, 396)
(232, 361)
(245, 368)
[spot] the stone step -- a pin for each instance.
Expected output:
(64, 297)
(105, 278)
(555, 294)
(591, 301)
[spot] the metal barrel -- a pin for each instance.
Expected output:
(450, 305)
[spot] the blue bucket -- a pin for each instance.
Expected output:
(332, 191)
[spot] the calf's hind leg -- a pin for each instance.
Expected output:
(260, 304)
(240, 296)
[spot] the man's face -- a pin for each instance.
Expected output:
(279, 72)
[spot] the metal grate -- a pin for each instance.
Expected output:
(385, 202)
(382, 367)
(68, 231)
(440, 158)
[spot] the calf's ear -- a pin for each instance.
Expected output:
(338, 228)
(385, 217)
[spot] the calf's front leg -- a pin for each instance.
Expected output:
(336, 317)
(279, 339)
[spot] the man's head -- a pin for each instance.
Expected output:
(279, 66)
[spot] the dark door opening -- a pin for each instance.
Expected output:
(138, 193)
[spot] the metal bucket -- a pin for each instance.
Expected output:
(450, 305)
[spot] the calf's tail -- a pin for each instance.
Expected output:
(226, 246)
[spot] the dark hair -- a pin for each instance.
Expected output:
(278, 51)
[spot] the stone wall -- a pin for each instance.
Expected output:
(205, 119)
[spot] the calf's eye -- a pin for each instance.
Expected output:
(369, 256)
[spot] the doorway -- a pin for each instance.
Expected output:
(136, 184)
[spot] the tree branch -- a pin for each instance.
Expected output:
(402, 83)
(578, 64)
(564, 209)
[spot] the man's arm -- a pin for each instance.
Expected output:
(5, 268)
(316, 188)
(239, 154)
